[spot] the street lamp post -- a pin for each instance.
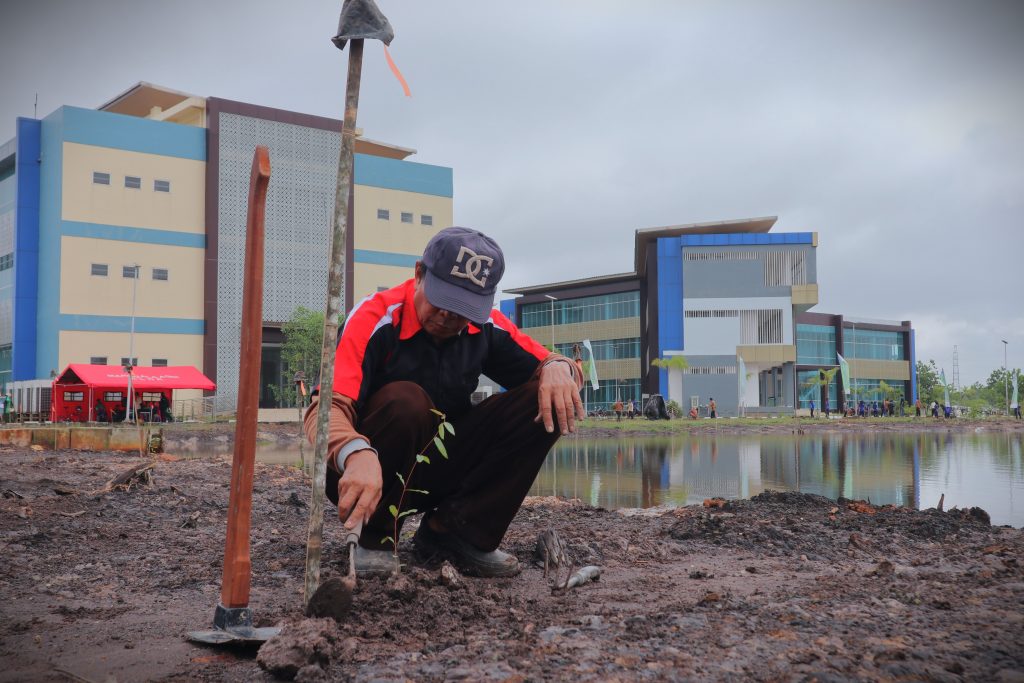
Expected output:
(553, 300)
(1006, 380)
(129, 366)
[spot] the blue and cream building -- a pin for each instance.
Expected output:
(134, 214)
(734, 300)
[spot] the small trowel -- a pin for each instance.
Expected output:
(333, 597)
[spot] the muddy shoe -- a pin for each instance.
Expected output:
(468, 559)
(375, 562)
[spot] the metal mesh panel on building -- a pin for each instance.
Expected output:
(300, 207)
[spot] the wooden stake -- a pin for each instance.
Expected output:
(234, 590)
(335, 307)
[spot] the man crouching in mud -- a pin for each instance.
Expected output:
(422, 345)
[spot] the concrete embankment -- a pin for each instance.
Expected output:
(63, 437)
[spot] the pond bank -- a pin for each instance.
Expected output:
(785, 586)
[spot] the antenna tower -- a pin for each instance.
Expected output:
(956, 368)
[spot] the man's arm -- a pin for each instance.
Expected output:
(350, 454)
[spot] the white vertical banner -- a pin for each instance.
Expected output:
(593, 365)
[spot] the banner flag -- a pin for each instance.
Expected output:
(844, 370)
(945, 388)
(593, 365)
(742, 379)
(1016, 381)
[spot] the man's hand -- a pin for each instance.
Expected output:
(558, 390)
(359, 489)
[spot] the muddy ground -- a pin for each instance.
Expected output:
(101, 586)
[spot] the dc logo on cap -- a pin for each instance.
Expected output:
(476, 266)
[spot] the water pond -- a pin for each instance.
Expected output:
(984, 470)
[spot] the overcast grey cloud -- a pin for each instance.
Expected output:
(893, 129)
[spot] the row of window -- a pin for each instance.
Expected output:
(102, 360)
(607, 349)
(873, 344)
(711, 370)
(406, 217)
(815, 344)
(132, 182)
(7, 261)
(781, 268)
(129, 272)
(582, 310)
(712, 314)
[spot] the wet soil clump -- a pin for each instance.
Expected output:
(100, 584)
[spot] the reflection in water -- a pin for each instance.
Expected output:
(902, 469)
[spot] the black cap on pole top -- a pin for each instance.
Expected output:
(362, 19)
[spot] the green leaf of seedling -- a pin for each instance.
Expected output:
(448, 426)
(422, 458)
(400, 478)
(388, 539)
(424, 492)
(440, 430)
(394, 511)
(408, 512)
(438, 413)
(440, 447)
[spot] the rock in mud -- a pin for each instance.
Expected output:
(450, 577)
(400, 587)
(300, 644)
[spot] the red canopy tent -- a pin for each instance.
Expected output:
(78, 389)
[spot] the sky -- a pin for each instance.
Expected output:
(895, 130)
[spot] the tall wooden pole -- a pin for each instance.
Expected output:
(335, 307)
(234, 592)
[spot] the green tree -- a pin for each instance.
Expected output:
(671, 363)
(928, 386)
(301, 352)
(998, 388)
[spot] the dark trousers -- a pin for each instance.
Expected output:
(493, 459)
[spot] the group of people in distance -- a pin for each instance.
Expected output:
(630, 409)
(149, 411)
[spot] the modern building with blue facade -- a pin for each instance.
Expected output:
(733, 299)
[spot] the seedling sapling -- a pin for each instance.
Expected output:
(397, 513)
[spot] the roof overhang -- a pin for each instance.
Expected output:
(571, 284)
(140, 99)
(744, 225)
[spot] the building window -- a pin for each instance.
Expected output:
(406, 217)
(124, 361)
(159, 362)
(133, 182)
(815, 344)
(74, 395)
(606, 349)
(98, 360)
(129, 271)
(426, 220)
(151, 396)
(873, 344)
(762, 326)
(582, 310)
(112, 396)
(99, 269)
(162, 185)
(7, 261)
(384, 214)
(159, 273)
(100, 178)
